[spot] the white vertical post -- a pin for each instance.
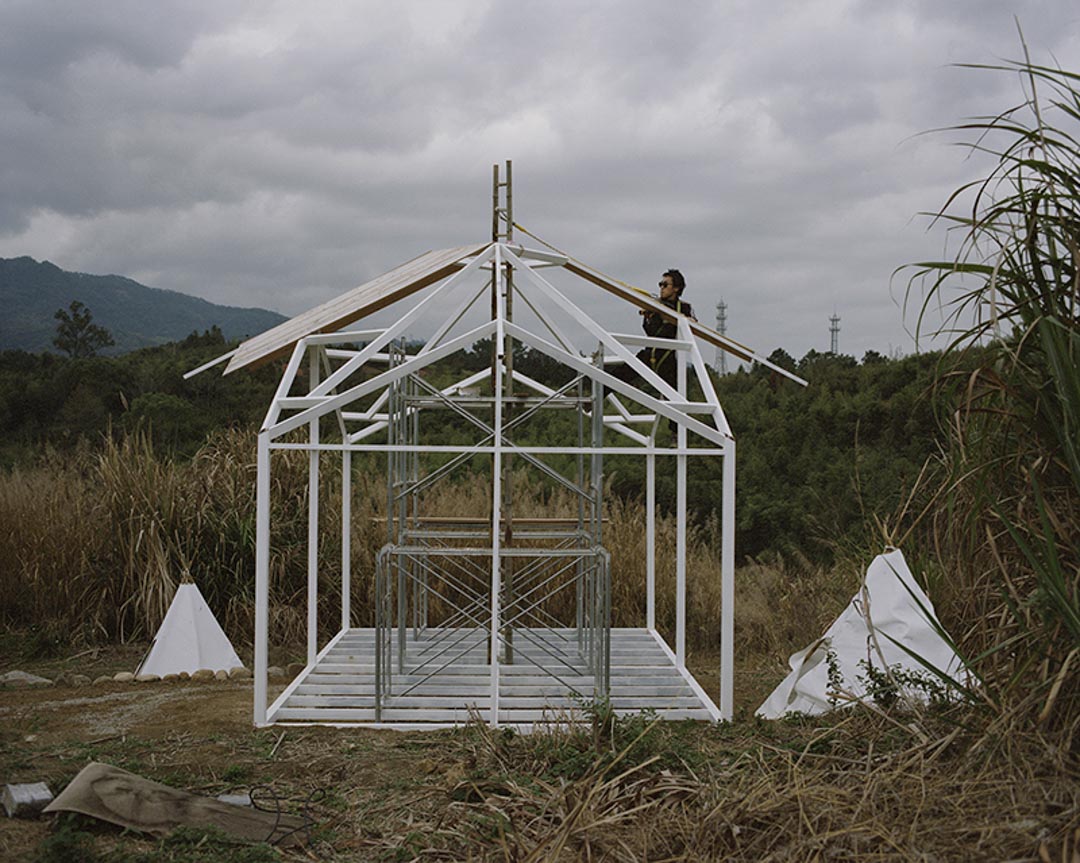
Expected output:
(262, 574)
(650, 538)
(496, 486)
(313, 522)
(680, 529)
(727, 585)
(346, 537)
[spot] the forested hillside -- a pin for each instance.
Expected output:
(135, 315)
(812, 462)
(49, 402)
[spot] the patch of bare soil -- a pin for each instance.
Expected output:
(121, 709)
(197, 736)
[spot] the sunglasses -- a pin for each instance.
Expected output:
(665, 284)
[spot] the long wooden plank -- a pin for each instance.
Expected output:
(649, 303)
(410, 719)
(513, 702)
(529, 663)
(380, 292)
(464, 694)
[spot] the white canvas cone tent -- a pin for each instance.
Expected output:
(888, 623)
(189, 638)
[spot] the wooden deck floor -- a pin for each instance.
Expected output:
(340, 688)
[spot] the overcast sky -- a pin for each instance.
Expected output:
(278, 154)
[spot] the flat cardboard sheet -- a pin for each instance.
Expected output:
(128, 800)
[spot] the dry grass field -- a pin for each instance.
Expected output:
(97, 555)
(862, 784)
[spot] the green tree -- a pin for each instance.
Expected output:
(77, 335)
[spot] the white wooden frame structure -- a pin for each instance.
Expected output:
(482, 658)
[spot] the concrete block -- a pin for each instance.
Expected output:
(26, 800)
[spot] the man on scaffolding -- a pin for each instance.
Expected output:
(663, 361)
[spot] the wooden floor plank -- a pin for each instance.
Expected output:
(341, 687)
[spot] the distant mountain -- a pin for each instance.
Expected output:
(135, 315)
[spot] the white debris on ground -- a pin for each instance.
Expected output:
(23, 679)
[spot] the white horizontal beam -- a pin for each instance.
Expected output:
(342, 336)
(209, 365)
(346, 354)
(639, 341)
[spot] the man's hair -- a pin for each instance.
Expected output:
(676, 279)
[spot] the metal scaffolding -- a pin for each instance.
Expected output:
(491, 613)
(452, 563)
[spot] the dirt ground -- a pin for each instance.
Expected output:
(196, 736)
(49, 733)
(857, 785)
(199, 736)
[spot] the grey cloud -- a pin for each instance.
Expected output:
(43, 40)
(271, 155)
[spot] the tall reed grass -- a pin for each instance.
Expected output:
(94, 544)
(1005, 520)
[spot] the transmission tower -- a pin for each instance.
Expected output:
(834, 334)
(721, 327)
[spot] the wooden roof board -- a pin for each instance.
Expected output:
(645, 301)
(370, 297)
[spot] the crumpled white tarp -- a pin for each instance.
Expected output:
(888, 611)
(189, 638)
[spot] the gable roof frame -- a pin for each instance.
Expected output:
(669, 410)
(399, 326)
(379, 404)
(320, 400)
(593, 328)
(314, 407)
